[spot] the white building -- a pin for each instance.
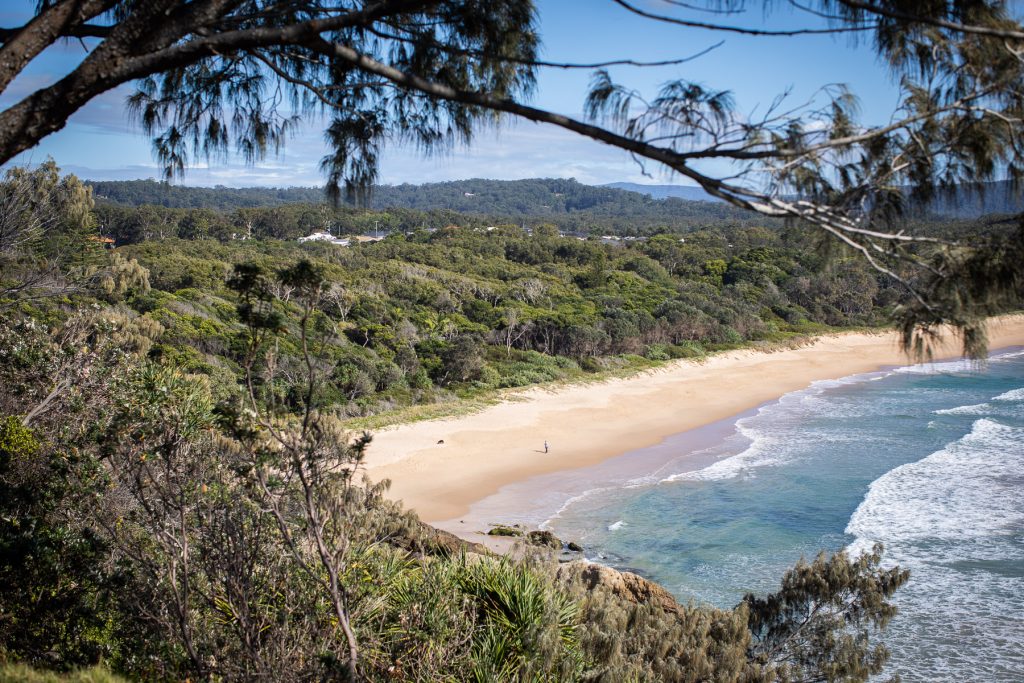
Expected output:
(325, 237)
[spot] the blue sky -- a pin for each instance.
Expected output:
(99, 142)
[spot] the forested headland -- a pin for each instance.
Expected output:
(182, 485)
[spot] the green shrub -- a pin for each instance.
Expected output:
(19, 673)
(523, 378)
(528, 626)
(489, 378)
(16, 441)
(687, 349)
(54, 579)
(657, 352)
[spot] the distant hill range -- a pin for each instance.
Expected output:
(551, 198)
(565, 202)
(1000, 197)
(139, 192)
(688, 193)
(993, 198)
(538, 196)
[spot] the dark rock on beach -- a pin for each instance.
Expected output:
(544, 538)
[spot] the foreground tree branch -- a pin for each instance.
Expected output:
(216, 74)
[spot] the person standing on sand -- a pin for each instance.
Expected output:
(545, 446)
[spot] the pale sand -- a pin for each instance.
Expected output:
(589, 423)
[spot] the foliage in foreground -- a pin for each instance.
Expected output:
(174, 538)
(197, 578)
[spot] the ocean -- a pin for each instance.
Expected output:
(927, 459)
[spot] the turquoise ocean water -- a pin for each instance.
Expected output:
(927, 459)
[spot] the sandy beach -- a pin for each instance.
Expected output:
(440, 468)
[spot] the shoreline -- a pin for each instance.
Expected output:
(536, 502)
(441, 468)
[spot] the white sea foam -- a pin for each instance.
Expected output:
(982, 409)
(1012, 395)
(956, 626)
(954, 519)
(767, 445)
(941, 367)
(546, 524)
(961, 492)
(763, 451)
(976, 409)
(775, 432)
(615, 526)
(815, 397)
(953, 366)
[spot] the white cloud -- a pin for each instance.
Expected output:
(522, 150)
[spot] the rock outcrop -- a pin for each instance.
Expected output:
(423, 538)
(591, 577)
(545, 539)
(625, 585)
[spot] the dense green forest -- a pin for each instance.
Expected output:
(181, 481)
(570, 205)
(139, 192)
(424, 316)
(619, 208)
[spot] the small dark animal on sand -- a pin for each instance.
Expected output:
(440, 441)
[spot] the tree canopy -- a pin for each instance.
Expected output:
(212, 74)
